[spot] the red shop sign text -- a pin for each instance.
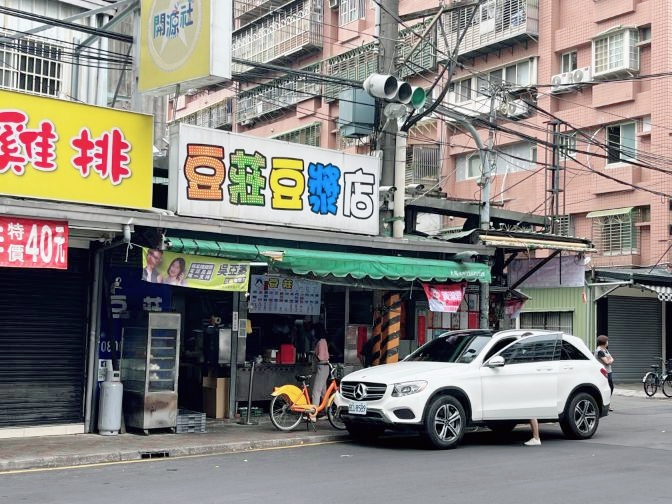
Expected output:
(30, 243)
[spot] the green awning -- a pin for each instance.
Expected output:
(322, 263)
(607, 213)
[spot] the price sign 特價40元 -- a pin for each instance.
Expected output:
(31, 243)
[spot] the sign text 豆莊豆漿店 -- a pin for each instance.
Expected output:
(224, 175)
(31, 243)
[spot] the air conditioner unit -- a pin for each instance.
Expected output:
(561, 83)
(582, 75)
(518, 108)
(334, 4)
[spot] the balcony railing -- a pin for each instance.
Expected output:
(274, 97)
(423, 59)
(497, 24)
(423, 163)
(292, 30)
(217, 116)
(245, 11)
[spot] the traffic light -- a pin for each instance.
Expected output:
(388, 87)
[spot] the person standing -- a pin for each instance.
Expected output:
(606, 359)
(322, 359)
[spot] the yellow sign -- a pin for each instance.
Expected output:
(185, 42)
(59, 150)
(195, 271)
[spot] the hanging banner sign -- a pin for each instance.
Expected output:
(195, 271)
(279, 294)
(513, 306)
(30, 243)
(445, 298)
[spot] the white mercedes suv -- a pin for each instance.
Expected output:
(471, 378)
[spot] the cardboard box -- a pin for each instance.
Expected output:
(216, 397)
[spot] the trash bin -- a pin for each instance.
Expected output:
(109, 411)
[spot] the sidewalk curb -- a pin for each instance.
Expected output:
(130, 455)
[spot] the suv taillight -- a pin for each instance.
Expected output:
(604, 372)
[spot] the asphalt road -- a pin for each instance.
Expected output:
(626, 462)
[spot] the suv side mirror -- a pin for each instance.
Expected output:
(496, 361)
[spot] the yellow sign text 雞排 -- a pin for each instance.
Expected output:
(59, 150)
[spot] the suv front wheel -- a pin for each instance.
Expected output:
(581, 418)
(444, 423)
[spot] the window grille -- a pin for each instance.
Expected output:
(616, 52)
(553, 321)
(354, 65)
(310, 135)
(32, 66)
(424, 165)
(616, 234)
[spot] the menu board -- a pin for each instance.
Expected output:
(285, 295)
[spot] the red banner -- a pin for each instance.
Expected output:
(445, 298)
(31, 243)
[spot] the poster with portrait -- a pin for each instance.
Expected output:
(445, 297)
(194, 271)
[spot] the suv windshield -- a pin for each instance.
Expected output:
(458, 347)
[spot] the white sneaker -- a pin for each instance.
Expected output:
(533, 442)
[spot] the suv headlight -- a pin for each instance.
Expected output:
(408, 388)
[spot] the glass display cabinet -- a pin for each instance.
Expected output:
(149, 372)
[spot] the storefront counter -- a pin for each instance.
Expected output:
(267, 376)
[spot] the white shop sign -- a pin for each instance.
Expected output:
(222, 175)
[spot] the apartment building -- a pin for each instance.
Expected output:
(577, 93)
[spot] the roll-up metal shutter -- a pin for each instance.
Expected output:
(43, 325)
(634, 335)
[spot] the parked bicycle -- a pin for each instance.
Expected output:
(291, 404)
(658, 378)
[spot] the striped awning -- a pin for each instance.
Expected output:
(664, 292)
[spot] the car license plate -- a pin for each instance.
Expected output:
(357, 408)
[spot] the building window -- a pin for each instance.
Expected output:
(567, 145)
(310, 135)
(518, 74)
(350, 10)
(516, 157)
(615, 232)
(568, 62)
(553, 321)
(616, 51)
(474, 167)
(461, 90)
(621, 143)
(424, 165)
(33, 66)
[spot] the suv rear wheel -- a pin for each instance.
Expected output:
(444, 423)
(581, 418)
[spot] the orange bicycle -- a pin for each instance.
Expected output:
(291, 404)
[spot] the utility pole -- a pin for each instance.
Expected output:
(488, 164)
(387, 32)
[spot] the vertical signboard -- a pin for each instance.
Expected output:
(185, 42)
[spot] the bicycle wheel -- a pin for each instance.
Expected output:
(281, 414)
(333, 415)
(650, 383)
(667, 385)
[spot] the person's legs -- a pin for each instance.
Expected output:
(321, 375)
(611, 387)
(535, 440)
